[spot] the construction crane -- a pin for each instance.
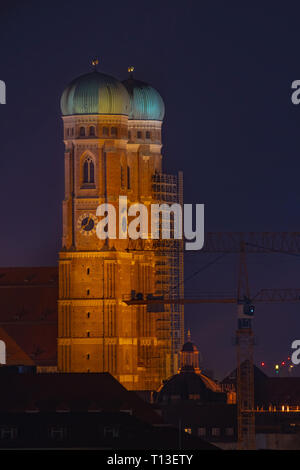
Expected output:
(242, 243)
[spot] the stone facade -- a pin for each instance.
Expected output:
(97, 331)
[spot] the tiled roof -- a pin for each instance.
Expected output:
(70, 391)
(283, 391)
(28, 314)
(271, 390)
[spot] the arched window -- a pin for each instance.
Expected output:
(92, 130)
(139, 134)
(82, 131)
(88, 171)
(114, 131)
(92, 178)
(105, 130)
(148, 135)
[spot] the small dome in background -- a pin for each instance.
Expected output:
(145, 102)
(95, 93)
(190, 386)
(190, 383)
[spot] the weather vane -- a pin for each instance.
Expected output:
(95, 62)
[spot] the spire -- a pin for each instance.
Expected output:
(189, 335)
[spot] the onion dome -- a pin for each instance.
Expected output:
(95, 93)
(145, 102)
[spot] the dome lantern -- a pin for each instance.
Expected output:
(189, 356)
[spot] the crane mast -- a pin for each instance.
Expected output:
(245, 364)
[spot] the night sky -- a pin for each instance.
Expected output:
(225, 73)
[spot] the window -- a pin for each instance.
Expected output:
(88, 292)
(88, 171)
(148, 135)
(229, 431)
(215, 432)
(114, 131)
(139, 134)
(88, 315)
(68, 131)
(88, 271)
(105, 130)
(129, 135)
(82, 131)
(88, 334)
(8, 433)
(201, 431)
(58, 433)
(128, 178)
(92, 131)
(88, 356)
(188, 430)
(111, 431)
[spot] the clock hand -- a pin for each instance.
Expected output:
(87, 222)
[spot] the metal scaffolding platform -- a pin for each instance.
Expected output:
(168, 189)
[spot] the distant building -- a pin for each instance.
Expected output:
(189, 383)
(197, 404)
(270, 392)
(202, 407)
(277, 409)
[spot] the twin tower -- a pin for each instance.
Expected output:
(112, 137)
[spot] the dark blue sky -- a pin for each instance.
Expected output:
(225, 72)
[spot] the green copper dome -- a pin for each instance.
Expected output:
(95, 93)
(146, 102)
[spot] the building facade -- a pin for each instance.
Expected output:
(112, 136)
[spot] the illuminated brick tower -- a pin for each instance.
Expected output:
(112, 136)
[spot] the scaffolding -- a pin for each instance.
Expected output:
(169, 282)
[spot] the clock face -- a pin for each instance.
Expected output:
(87, 224)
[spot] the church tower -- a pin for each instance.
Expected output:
(112, 137)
